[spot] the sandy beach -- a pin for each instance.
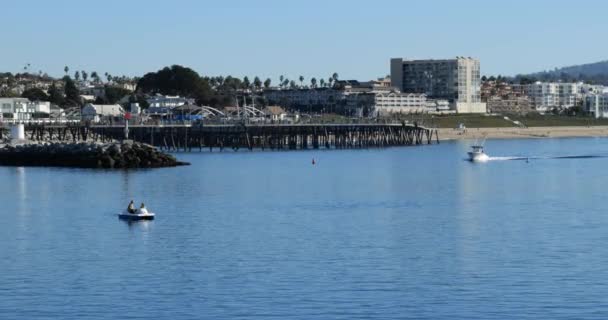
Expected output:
(532, 132)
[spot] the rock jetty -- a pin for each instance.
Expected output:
(115, 155)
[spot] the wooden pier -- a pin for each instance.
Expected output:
(188, 137)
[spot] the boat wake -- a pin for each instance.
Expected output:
(506, 158)
(512, 158)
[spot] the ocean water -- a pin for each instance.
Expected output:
(398, 233)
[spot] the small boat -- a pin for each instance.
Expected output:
(477, 154)
(140, 214)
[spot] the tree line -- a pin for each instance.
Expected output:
(215, 91)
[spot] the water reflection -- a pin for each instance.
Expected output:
(144, 225)
(21, 189)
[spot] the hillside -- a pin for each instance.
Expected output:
(591, 72)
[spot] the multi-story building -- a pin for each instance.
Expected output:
(548, 95)
(22, 109)
(456, 80)
(509, 104)
(597, 104)
(294, 98)
(561, 95)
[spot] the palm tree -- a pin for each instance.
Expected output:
(257, 83)
(95, 76)
(85, 75)
(292, 84)
(330, 82)
(77, 75)
(313, 82)
(322, 82)
(335, 76)
(301, 81)
(281, 79)
(246, 83)
(66, 69)
(267, 83)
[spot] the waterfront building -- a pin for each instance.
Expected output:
(22, 109)
(561, 95)
(549, 95)
(298, 98)
(275, 113)
(597, 104)
(96, 112)
(455, 80)
(168, 101)
(509, 105)
(385, 103)
(356, 98)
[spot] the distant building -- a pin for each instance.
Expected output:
(597, 104)
(168, 101)
(275, 113)
(22, 109)
(383, 82)
(455, 80)
(386, 103)
(561, 95)
(96, 112)
(129, 86)
(548, 95)
(294, 98)
(87, 98)
(509, 105)
(97, 91)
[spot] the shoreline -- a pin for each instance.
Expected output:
(530, 132)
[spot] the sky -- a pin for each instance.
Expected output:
(269, 38)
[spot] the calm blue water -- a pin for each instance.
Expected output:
(385, 234)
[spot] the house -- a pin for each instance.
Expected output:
(275, 113)
(95, 112)
(91, 90)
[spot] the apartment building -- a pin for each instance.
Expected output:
(456, 80)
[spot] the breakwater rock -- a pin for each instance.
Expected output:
(116, 155)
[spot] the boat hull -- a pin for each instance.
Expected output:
(136, 216)
(478, 156)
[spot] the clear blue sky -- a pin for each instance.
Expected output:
(311, 38)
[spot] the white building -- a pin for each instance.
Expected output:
(96, 91)
(94, 112)
(160, 101)
(275, 113)
(548, 95)
(597, 104)
(397, 102)
(22, 109)
(456, 80)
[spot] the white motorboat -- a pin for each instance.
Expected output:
(139, 214)
(477, 154)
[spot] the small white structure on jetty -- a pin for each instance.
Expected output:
(17, 132)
